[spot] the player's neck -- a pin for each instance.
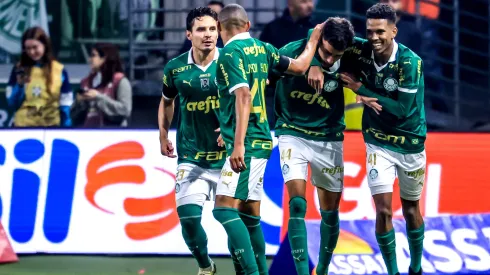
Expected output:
(384, 57)
(202, 58)
(230, 34)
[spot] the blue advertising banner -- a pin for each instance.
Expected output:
(452, 244)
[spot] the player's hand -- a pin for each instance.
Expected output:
(237, 159)
(317, 32)
(350, 82)
(220, 141)
(166, 147)
(316, 79)
(371, 102)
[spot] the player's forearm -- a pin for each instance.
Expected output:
(243, 100)
(300, 65)
(165, 116)
(400, 108)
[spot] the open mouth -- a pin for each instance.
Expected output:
(376, 45)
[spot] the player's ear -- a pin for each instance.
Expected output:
(395, 31)
(248, 25)
(219, 26)
(188, 34)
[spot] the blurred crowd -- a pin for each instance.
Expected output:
(40, 94)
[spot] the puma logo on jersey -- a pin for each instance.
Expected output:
(407, 62)
(229, 54)
(187, 82)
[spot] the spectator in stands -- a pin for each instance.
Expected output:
(291, 26)
(420, 39)
(105, 95)
(216, 6)
(39, 90)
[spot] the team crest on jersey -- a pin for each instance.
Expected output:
(390, 84)
(285, 169)
(330, 86)
(177, 188)
(373, 174)
(205, 84)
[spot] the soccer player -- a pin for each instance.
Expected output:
(192, 76)
(244, 64)
(394, 128)
(310, 128)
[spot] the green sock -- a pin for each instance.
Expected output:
(297, 235)
(193, 233)
(236, 263)
(329, 231)
(416, 245)
(258, 242)
(387, 245)
(238, 236)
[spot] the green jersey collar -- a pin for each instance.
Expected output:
(392, 57)
(240, 36)
(190, 59)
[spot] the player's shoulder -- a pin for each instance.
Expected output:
(360, 46)
(177, 62)
(293, 47)
(405, 54)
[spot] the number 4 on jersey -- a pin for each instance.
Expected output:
(260, 109)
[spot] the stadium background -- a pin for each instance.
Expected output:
(53, 201)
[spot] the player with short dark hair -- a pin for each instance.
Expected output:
(391, 84)
(310, 125)
(244, 66)
(192, 77)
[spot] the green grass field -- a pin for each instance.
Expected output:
(109, 265)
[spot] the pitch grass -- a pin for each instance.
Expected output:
(109, 265)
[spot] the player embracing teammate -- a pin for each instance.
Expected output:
(309, 126)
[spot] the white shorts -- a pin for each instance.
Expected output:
(194, 184)
(246, 185)
(383, 166)
(326, 161)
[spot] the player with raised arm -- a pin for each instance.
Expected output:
(244, 64)
(310, 128)
(192, 77)
(391, 83)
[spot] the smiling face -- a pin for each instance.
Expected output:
(380, 34)
(204, 33)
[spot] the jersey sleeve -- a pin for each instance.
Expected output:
(409, 78)
(168, 88)
(231, 65)
(277, 62)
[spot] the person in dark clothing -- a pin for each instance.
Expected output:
(216, 6)
(291, 26)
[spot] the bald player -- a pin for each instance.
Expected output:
(243, 68)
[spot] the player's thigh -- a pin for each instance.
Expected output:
(241, 185)
(381, 170)
(212, 177)
(189, 182)
(327, 166)
(255, 179)
(294, 158)
(411, 175)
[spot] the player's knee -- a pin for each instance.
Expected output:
(411, 210)
(384, 212)
(190, 218)
(297, 207)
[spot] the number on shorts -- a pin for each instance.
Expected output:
(372, 159)
(180, 174)
(286, 154)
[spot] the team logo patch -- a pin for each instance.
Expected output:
(390, 84)
(285, 169)
(373, 174)
(205, 84)
(330, 85)
(177, 188)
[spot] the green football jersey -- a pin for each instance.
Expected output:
(245, 62)
(196, 89)
(399, 88)
(301, 112)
